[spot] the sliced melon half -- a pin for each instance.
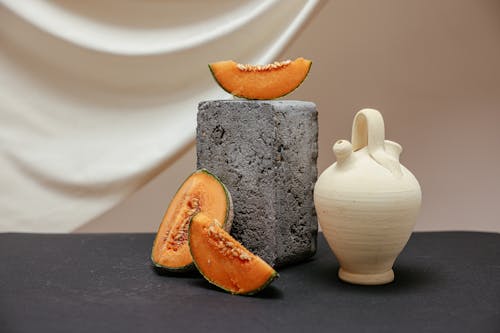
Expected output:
(202, 191)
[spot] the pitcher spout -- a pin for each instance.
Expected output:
(343, 151)
(392, 148)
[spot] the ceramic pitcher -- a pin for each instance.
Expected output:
(367, 202)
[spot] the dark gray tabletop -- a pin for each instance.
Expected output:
(445, 282)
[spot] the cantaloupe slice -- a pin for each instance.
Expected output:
(260, 81)
(201, 192)
(223, 261)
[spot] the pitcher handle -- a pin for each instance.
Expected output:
(368, 130)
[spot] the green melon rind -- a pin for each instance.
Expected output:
(271, 278)
(226, 224)
(259, 99)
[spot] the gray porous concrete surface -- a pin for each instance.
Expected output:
(265, 153)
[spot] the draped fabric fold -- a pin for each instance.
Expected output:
(96, 97)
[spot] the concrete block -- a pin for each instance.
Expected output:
(265, 152)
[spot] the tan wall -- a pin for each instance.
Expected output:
(431, 67)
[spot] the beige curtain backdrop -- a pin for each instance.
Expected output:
(98, 97)
(431, 67)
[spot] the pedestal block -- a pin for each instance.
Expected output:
(265, 152)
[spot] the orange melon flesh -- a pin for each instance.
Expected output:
(201, 192)
(223, 261)
(260, 82)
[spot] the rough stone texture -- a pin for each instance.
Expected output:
(265, 152)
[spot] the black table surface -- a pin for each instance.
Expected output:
(445, 282)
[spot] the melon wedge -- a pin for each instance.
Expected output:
(223, 261)
(260, 81)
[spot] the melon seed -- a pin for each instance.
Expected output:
(244, 256)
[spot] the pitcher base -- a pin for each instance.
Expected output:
(366, 279)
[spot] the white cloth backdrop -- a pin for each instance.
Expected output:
(96, 96)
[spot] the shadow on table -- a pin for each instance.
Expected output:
(415, 277)
(270, 292)
(193, 273)
(197, 280)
